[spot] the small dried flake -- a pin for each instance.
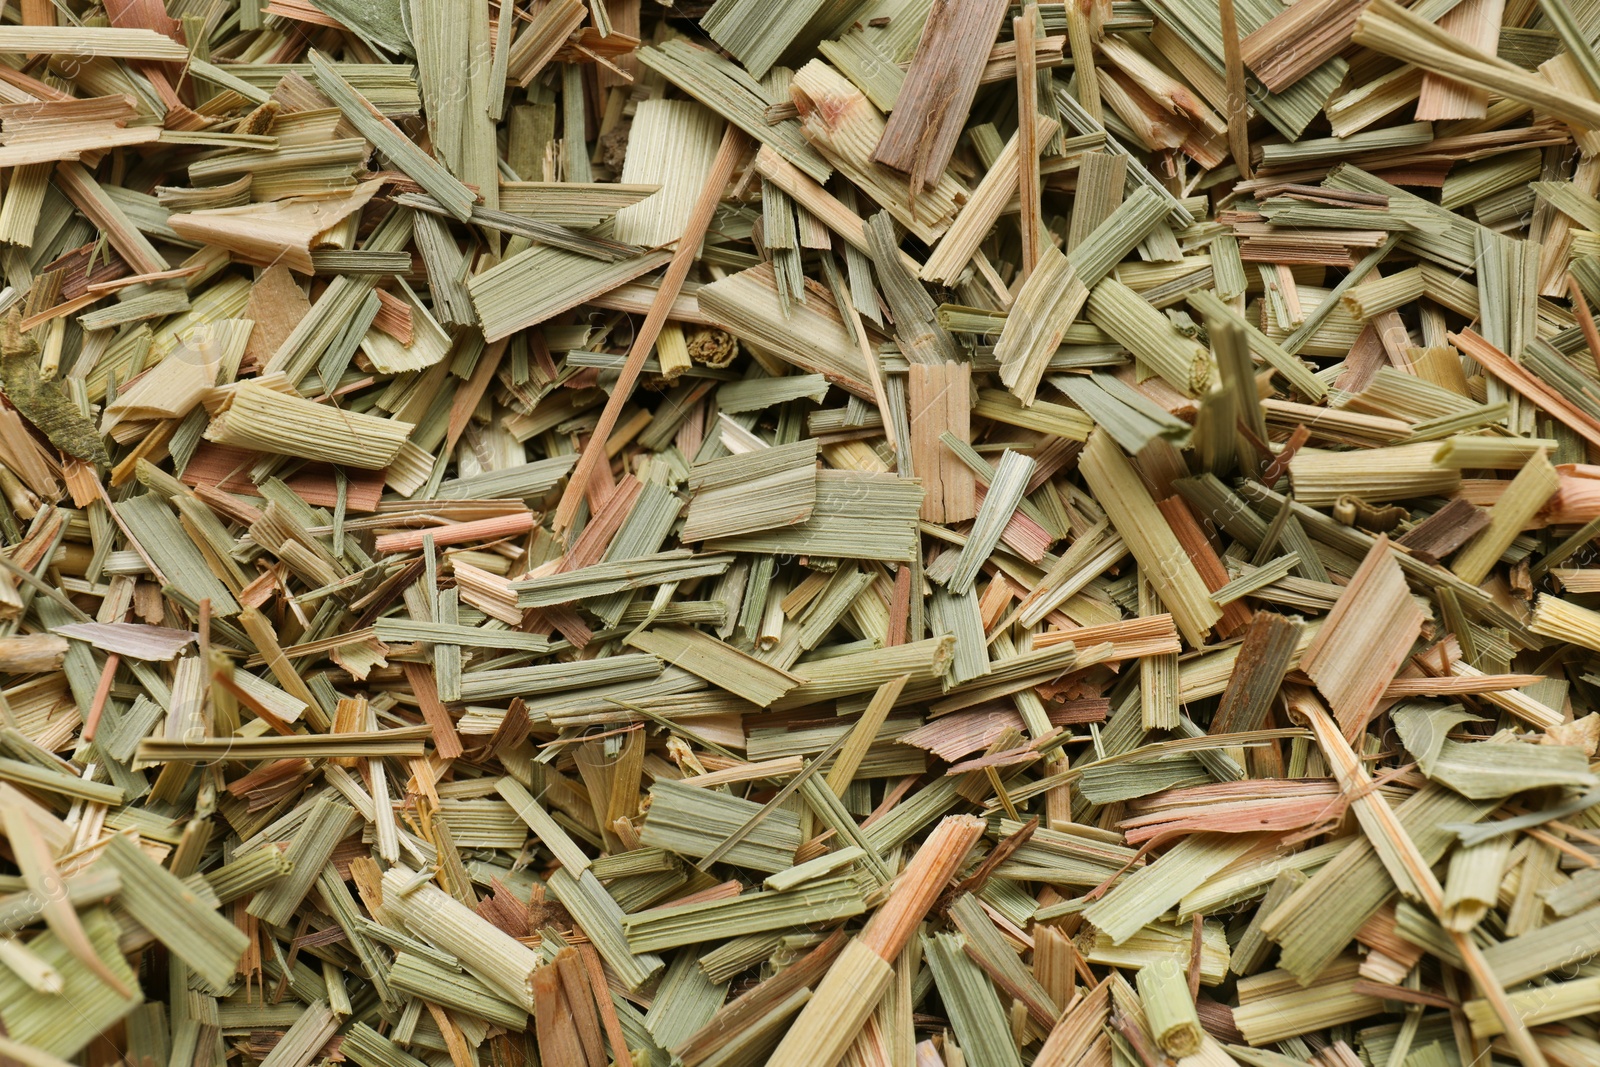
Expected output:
(130, 638)
(45, 404)
(768, 532)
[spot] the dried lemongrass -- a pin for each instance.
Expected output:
(1551, 1003)
(1565, 621)
(204, 940)
(1472, 885)
(491, 954)
(524, 290)
(1148, 334)
(671, 145)
(861, 974)
(1150, 891)
(90, 42)
(402, 743)
(1392, 473)
(846, 128)
(1349, 652)
(1472, 452)
(984, 206)
(1057, 419)
(615, 576)
(602, 919)
(723, 666)
(360, 113)
(1150, 539)
(773, 639)
(1528, 492)
(1048, 302)
(325, 824)
(939, 400)
(62, 1023)
(265, 419)
(921, 133)
(1003, 495)
(977, 1013)
(1390, 29)
(729, 91)
(769, 489)
(1126, 414)
(810, 335)
(858, 514)
(1274, 1006)
(1169, 1009)
(818, 901)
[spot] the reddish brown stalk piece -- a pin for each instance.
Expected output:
(1003, 851)
(937, 94)
(420, 677)
(1280, 462)
(1446, 530)
(102, 692)
(1298, 40)
(1585, 317)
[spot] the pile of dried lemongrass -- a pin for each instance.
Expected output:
(896, 534)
